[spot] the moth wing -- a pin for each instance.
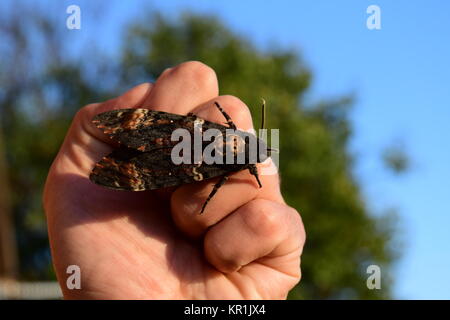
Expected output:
(128, 169)
(146, 130)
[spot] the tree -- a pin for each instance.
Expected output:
(344, 237)
(40, 90)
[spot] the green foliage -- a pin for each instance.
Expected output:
(343, 238)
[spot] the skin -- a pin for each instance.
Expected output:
(154, 244)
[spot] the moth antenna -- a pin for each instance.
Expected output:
(263, 115)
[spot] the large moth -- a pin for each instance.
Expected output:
(144, 159)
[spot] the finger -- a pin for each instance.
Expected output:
(261, 229)
(234, 107)
(240, 188)
(84, 143)
(131, 99)
(180, 89)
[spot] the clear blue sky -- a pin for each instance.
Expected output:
(401, 77)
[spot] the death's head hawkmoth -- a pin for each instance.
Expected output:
(145, 157)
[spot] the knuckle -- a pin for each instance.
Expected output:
(236, 108)
(218, 255)
(296, 227)
(234, 104)
(89, 110)
(166, 72)
(262, 219)
(299, 226)
(295, 280)
(84, 112)
(196, 71)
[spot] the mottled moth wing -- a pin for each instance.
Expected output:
(146, 130)
(128, 169)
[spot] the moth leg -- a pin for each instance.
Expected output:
(227, 117)
(214, 190)
(254, 171)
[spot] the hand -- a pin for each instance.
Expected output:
(154, 244)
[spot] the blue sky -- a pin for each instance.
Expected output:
(401, 78)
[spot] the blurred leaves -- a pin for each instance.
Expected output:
(396, 158)
(315, 164)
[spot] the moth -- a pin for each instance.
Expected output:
(144, 159)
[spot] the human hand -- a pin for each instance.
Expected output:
(154, 244)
